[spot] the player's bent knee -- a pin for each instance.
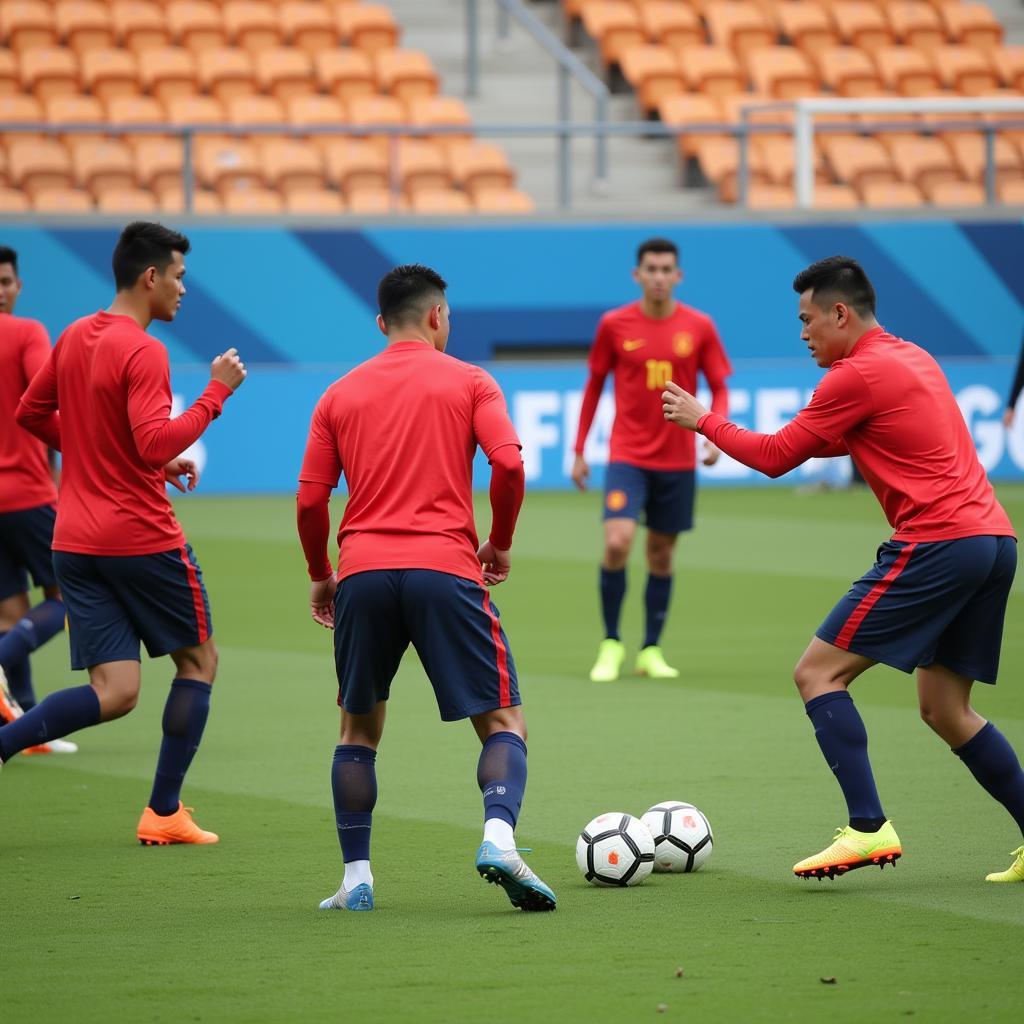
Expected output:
(197, 662)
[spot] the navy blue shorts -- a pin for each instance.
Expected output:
(664, 497)
(450, 622)
(921, 604)
(25, 539)
(114, 602)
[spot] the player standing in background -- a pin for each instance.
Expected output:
(103, 398)
(403, 427)
(936, 597)
(651, 468)
(28, 501)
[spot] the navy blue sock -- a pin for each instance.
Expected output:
(44, 621)
(501, 775)
(19, 681)
(613, 590)
(63, 712)
(843, 739)
(354, 784)
(994, 764)
(656, 598)
(185, 714)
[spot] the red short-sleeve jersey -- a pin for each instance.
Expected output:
(25, 480)
(644, 355)
(403, 427)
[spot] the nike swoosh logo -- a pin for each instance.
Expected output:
(629, 346)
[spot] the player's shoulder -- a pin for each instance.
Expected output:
(620, 314)
(22, 328)
(697, 318)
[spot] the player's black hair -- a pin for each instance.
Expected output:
(8, 255)
(656, 245)
(407, 292)
(145, 244)
(837, 279)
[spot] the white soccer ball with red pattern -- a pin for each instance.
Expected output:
(615, 849)
(682, 836)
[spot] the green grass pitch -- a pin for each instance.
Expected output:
(98, 928)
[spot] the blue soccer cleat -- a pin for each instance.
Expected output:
(360, 898)
(507, 869)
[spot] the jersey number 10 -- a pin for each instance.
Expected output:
(659, 373)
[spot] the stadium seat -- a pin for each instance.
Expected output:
(83, 25)
(126, 200)
(972, 25)
(110, 73)
(256, 202)
(370, 202)
(224, 72)
(375, 110)
(1009, 63)
(968, 151)
(62, 200)
(308, 26)
(502, 201)
(782, 72)
(33, 165)
(158, 163)
(479, 166)
(255, 109)
(848, 71)
(49, 71)
(719, 162)
(354, 164)
(965, 70)
(922, 161)
(139, 25)
(316, 111)
(738, 24)
(195, 110)
(653, 72)
(807, 26)
(956, 193)
(222, 163)
(204, 202)
(615, 25)
(671, 24)
(168, 71)
(776, 156)
(319, 202)
(1011, 192)
(405, 73)
(13, 200)
(683, 111)
(446, 111)
(345, 73)
(10, 78)
(284, 72)
(829, 196)
(761, 196)
(916, 23)
(421, 164)
(889, 195)
(139, 110)
(291, 165)
(196, 24)
(100, 164)
(862, 24)
(858, 161)
(252, 25)
(712, 71)
(27, 25)
(440, 202)
(906, 71)
(18, 108)
(367, 26)
(74, 110)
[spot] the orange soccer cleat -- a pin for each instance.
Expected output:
(163, 830)
(853, 849)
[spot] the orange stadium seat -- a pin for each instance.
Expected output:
(683, 111)
(27, 24)
(367, 26)
(319, 202)
(405, 73)
(49, 71)
(290, 165)
(1009, 63)
(254, 109)
(196, 24)
(13, 200)
(782, 72)
(222, 163)
(38, 164)
(848, 71)
(972, 25)
(345, 73)
(916, 23)
(761, 196)
(204, 202)
(62, 200)
(19, 108)
(922, 161)
(285, 72)
(890, 195)
(375, 110)
(110, 73)
(353, 164)
(224, 73)
(906, 71)
(479, 166)
(712, 71)
(965, 70)
(738, 24)
(168, 71)
(1011, 192)
(10, 79)
(74, 110)
(316, 111)
(862, 24)
(776, 156)
(420, 164)
(653, 72)
(101, 164)
(308, 26)
(195, 110)
(858, 161)
(806, 25)
(137, 110)
(719, 160)
(502, 201)
(84, 24)
(158, 163)
(126, 200)
(370, 202)
(968, 151)
(615, 25)
(829, 196)
(956, 193)
(252, 24)
(255, 202)
(440, 202)
(447, 111)
(139, 25)
(731, 106)
(671, 24)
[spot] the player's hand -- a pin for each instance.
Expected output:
(580, 472)
(228, 369)
(177, 468)
(321, 601)
(711, 454)
(680, 407)
(496, 563)
(1008, 418)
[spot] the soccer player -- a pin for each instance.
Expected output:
(103, 398)
(935, 599)
(644, 345)
(28, 501)
(403, 428)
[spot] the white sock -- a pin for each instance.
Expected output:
(500, 833)
(357, 872)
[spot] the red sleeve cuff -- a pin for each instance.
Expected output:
(708, 423)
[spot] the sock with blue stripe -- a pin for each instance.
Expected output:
(613, 590)
(185, 714)
(992, 761)
(656, 598)
(840, 733)
(60, 713)
(354, 784)
(501, 775)
(42, 622)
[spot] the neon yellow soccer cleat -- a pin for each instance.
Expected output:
(651, 662)
(852, 849)
(610, 656)
(1014, 873)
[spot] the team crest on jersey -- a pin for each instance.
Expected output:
(682, 344)
(616, 501)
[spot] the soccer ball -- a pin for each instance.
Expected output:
(682, 836)
(615, 849)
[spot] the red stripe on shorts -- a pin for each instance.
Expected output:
(872, 597)
(197, 597)
(501, 653)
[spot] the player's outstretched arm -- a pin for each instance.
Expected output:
(508, 486)
(313, 519)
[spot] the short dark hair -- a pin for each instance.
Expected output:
(837, 279)
(8, 255)
(405, 293)
(145, 244)
(656, 245)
